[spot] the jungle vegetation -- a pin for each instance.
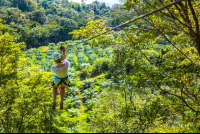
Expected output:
(139, 78)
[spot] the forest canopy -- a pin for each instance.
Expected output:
(39, 22)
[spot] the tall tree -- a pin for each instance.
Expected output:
(25, 5)
(181, 17)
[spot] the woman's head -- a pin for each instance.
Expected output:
(57, 57)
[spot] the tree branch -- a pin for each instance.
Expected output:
(194, 16)
(180, 97)
(140, 17)
(176, 5)
(166, 37)
(173, 17)
(140, 50)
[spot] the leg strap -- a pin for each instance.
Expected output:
(63, 80)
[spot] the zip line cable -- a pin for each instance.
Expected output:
(122, 25)
(140, 17)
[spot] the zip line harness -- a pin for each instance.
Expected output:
(62, 80)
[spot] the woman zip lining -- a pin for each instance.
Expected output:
(61, 76)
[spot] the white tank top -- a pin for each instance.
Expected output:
(61, 72)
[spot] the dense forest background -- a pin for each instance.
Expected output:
(39, 22)
(136, 78)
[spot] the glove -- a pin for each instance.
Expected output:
(62, 48)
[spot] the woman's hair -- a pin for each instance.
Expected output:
(59, 60)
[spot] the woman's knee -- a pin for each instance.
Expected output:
(55, 86)
(62, 88)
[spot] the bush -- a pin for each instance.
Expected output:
(85, 73)
(100, 66)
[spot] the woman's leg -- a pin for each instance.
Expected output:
(55, 91)
(62, 93)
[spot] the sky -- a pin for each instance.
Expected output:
(108, 2)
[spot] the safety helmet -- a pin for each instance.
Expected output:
(56, 56)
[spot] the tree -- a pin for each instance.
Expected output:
(102, 6)
(79, 20)
(96, 2)
(65, 3)
(92, 29)
(97, 17)
(95, 8)
(24, 105)
(144, 63)
(167, 70)
(76, 6)
(10, 52)
(11, 15)
(67, 25)
(183, 15)
(116, 21)
(45, 4)
(39, 16)
(25, 5)
(8, 56)
(5, 3)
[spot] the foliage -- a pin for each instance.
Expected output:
(23, 91)
(142, 78)
(41, 22)
(92, 29)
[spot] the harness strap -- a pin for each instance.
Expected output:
(63, 80)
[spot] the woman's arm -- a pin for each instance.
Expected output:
(64, 55)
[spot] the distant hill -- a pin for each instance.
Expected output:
(32, 19)
(114, 5)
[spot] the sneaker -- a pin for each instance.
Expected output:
(61, 105)
(53, 105)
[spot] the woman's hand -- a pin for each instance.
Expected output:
(62, 48)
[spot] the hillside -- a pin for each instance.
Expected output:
(38, 23)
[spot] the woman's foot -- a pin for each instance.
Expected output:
(61, 105)
(54, 105)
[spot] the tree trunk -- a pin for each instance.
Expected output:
(197, 43)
